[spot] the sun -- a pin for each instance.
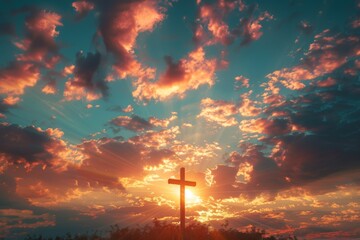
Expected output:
(191, 198)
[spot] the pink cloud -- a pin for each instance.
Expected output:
(39, 44)
(251, 27)
(83, 7)
(188, 74)
(15, 78)
(128, 109)
(218, 111)
(134, 123)
(265, 126)
(327, 82)
(211, 16)
(326, 54)
(247, 107)
(120, 24)
(243, 81)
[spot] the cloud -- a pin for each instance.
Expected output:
(164, 123)
(266, 126)
(32, 142)
(15, 219)
(120, 22)
(17, 76)
(247, 107)
(212, 16)
(212, 22)
(128, 109)
(308, 146)
(87, 82)
(82, 8)
(188, 74)
(326, 54)
(138, 124)
(218, 111)
(134, 123)
(250, 26)
(243, 81)
(156, 140)
(39, 43)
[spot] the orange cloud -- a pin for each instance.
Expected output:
(15, 78)
(188, 74)
(120, 24)
(325, 54)
(39, 41)
(218, 111)
(247, 107)
(83, 7)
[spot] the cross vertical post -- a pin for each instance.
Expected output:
(182, 182)
(182, 201)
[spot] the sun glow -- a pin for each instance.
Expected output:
(191, 199)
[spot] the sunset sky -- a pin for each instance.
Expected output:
(101, 101)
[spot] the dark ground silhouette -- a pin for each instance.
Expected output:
(166, 231)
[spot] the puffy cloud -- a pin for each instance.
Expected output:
(16, 77)
(304, 144)
(82, 8)
(128, 109)
(156, 140)
(39, 44)
(243, 81)
(188, 74)
(326, 54)
(218, 111)
(266, 126)
(212, 20)
(32, 142)
(162, 122)
(247, 107)
(120, 24)
(30, 146)
(134, 123)
(7, 103)
(87, 82)
(250, 27)
(212, 17)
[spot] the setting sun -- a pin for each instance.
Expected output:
(191, 198)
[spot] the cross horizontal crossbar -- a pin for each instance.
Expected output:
(181, 182)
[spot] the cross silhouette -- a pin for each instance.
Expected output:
(182, 182)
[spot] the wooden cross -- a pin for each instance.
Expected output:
(182, 182)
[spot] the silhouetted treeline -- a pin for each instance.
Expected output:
(167, 231)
